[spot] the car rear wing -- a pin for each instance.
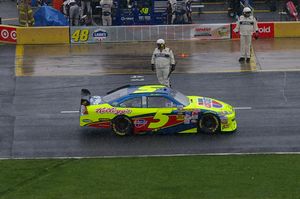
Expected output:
(85, 97)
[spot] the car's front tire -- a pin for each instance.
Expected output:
(209, 124)
(122, 125)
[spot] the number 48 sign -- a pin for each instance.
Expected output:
(80, 35)
(91, 34)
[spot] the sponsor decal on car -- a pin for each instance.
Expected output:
(187, 118)
(139, 123)
(113, 111)
(216, 104)
(180, 117)
(224, 120)
(195, 114)
(209, 103)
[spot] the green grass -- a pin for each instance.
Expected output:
(215, 177)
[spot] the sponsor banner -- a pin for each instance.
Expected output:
(88, 34)
(93, 34)
(8, 34)
(211, 31)
(265, 29)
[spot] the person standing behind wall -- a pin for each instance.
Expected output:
(106, 6)
(86, 7)
(25, 13)
(173, 4)
(246, 25)
(188, 8)
(163, 62)
(74, 13)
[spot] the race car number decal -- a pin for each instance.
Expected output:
(80, 35)
(163, 119)
(150, 89)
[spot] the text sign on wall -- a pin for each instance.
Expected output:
(266, 30)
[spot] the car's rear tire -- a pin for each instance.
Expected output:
(209, 124)
(122, 125)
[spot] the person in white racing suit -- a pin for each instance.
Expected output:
(106, 6)
(163, 62)
(247, 26)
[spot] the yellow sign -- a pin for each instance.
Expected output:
(80, 35)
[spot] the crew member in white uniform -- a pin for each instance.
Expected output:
(106, 6)
(247, 26)
(163, 62)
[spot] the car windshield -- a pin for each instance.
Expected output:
(180, 97)
(115, 95)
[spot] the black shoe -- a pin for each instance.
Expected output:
(248, 60)
(241, 59)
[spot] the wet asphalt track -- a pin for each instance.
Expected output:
(31, 123)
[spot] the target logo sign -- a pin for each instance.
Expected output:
(8, 34)
(4, 34)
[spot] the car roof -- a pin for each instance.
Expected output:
(144, 89)
(151, 89)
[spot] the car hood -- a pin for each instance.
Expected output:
(208, 104)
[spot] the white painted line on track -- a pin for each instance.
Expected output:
(151, 156)
(68, 112)
(242, 108)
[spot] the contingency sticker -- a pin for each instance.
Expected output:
(209, 103)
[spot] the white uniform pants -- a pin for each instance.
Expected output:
(106, 20)
(162, 76)
(246, 45)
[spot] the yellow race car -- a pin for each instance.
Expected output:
(140, 109)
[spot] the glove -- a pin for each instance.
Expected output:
(152, 67)
(172, 67)
(255, 35)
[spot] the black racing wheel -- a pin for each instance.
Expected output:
(122, 125)
(209, 124)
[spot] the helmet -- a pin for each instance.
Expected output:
(72, 1)
(160, 41)
(246, 9)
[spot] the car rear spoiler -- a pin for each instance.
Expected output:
(85, 97)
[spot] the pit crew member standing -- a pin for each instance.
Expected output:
(173, 4)
(106, 6)
(74, 13)
(188, 7)
(86, 7)
(246, 25)
(163, 62)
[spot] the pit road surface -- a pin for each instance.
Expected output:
(41, 82)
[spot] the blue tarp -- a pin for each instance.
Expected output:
(48, 16)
